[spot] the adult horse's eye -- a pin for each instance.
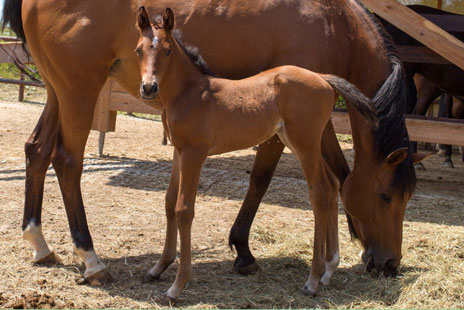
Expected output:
(138, 51)
(385, 198)
(168, 51)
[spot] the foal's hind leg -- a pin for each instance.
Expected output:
(332, 252)
(75, 119)
(170, 245)
(38, 149)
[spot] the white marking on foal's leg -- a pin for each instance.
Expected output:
(330, 267)
(92, 262)
(33, 234)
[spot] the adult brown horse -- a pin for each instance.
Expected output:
(78, 44)
(205, 115)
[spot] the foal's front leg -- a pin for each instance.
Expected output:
(191, 161)
(170, 245)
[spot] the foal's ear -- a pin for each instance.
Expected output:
(398, 156)
(142, 18)
(418, 157)
(168, 19)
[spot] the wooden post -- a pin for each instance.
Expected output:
(21, 88)
(104, 119)
(420, 29)
(439, 4)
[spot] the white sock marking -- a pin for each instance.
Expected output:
(92, 262)
(33, 234)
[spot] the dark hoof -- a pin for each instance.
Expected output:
(448, 164)
(246, 270)
(147, 278)
(168, 301)
(420, 167)
(100, 278)
(307, 292)
(50, 259)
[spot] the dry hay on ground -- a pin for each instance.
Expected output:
(124, 191)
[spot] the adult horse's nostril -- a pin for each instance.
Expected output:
(389, 268)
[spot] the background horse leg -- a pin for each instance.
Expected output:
(267, 158)
(458, 111)
(445, 111)
(170, 245)
(427, 93)
(75, 120)
(38, 149)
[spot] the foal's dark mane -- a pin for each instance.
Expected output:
(390, 102)
(193, 53)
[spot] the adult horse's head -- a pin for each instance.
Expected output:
(383, 179)
(153, 49)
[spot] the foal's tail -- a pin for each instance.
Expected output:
(355, 97)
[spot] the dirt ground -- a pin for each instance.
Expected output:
(123, 194)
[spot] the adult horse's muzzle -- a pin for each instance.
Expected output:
(386, 266)
(148, 91)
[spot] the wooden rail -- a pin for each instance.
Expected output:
(13, 46)
(420, 128)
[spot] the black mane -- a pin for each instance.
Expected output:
(390, 102)
(193, 53)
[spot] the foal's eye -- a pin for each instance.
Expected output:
(385, 198)
(168, 52)
(138, 51)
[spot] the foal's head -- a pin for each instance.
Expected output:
(153, 49)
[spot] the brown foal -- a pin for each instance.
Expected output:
(204, 115)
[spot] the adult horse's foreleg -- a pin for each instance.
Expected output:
(75, 120)
(170, 245)
(267, 158)
(38, 149)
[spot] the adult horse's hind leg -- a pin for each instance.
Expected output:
(446, 101)
(75, 120)
(38, 149)
(267, 158)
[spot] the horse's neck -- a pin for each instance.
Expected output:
(179, 76)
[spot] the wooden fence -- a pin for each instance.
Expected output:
(12, 46)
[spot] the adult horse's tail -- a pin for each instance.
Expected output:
(355, 97)
(12, 16)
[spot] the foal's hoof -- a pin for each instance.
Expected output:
(448, 164)
(50, 259)
(420, 167)
(307, 291)
(168, 300)
(148, 277)
(246, 270)
(99, 278)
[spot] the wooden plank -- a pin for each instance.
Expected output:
(420, 54)
(117, 87)
(103, 118)
(420, 29)
(13, 48)
(433, 130)
(126, 102)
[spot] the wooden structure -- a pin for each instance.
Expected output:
(12, 46)
(440, 47)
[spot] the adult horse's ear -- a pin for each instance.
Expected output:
(168, 19)
(142, 18)
(418, 157)
(398, 156)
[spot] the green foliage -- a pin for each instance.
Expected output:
(340, 103)
(9, 71)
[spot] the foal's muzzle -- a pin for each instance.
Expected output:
(386, 266)
(148, 91)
